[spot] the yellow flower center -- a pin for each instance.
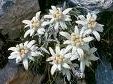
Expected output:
(36, 23)
(58, 59)
(23, 52)
(91, 23)
(76, 40)
(58, 15)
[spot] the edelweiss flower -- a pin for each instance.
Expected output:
(58, 17)
(91, 25)
(36, 25)
(88, 56)
(60, 59)
(76, 41)
(23, 52)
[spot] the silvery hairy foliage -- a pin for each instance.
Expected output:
(95, 5)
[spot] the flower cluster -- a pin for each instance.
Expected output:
(76, 43)
(23, 52)
(35, 25)
(58, 17)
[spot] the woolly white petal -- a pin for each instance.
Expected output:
(80, 52)
(94, 16)
(45, 23)
(28, 25)
(17, 46)
(82, 66)
(27, 33)
(68, 55)
(81, 22)
(31, 58)
(62, 51)
(63, 25)
(26, 22)
(13, 48)
(74, 56)
(34, 19)
(38, 15)
(92, 50)
(30, 44)
(25, 63)
(12, 57)
(68, 48)
(59, 67)
(67, 42)
(16, 53)
(25, 44)
(86, 47)
(18, 59)
(57, 49)
(53, 7)
(36, 53)
(21, 45)
(53, 69)
(99, 27)
(32, 32)
(97, 35)
(34, 48)
(65, 34)
(74, 49)
(88, 16)
(45, 50)
(60, 9)
(51, 51)
(81, 17)
(48, 16)
(87, 32)
(68, 75)
(51, 60)
(67, 18)
(65, 65)
(52, 20)
(67, 10)
(88, 39)
(51, 11)
(56, 26)
(41, 31)
(76, 30)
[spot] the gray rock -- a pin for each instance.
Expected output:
(8, 72)
(93, 5)
(11, 20)
(104, 72)
(12, 73)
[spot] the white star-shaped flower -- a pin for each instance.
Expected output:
(88, 56)
(90, 25)
(76, 41)
(36, 25)
(23, 52)
(60, 59)
(58, 17)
